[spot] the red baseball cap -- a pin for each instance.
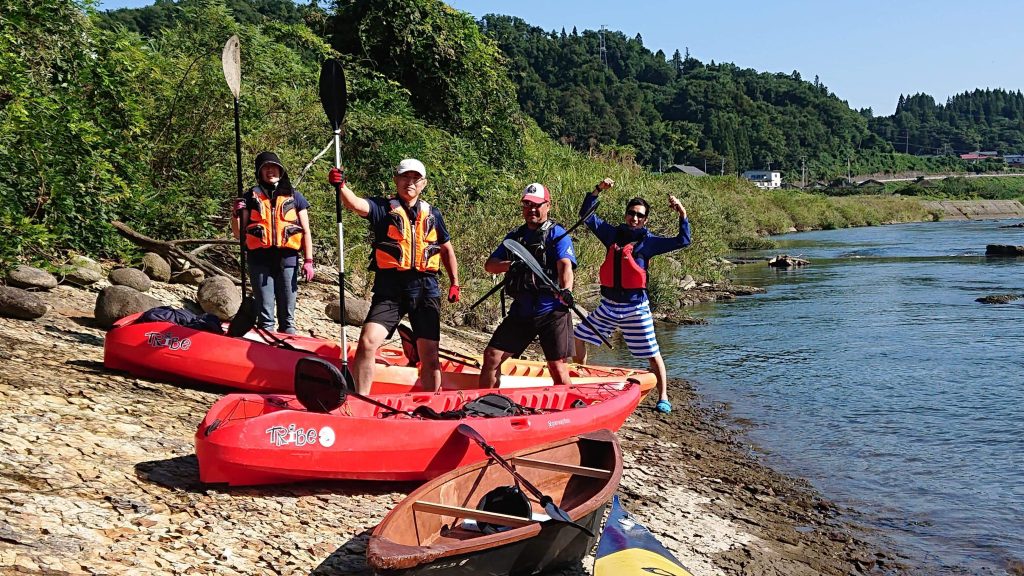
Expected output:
(536, 193)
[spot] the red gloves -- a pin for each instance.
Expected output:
(239, 205)
(453, 294)
(307, 270)
(336, 177)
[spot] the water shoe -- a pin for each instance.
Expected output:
(663, 406)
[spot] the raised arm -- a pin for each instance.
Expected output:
(348, 198)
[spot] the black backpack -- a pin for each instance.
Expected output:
(504, 500)
(494, 405)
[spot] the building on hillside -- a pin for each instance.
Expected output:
(980, 155)
(872, 185)
(768, 179)
(1014, 159)
(686, 169)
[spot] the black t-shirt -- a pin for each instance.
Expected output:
(395, 283)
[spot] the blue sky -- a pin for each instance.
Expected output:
(867, 52)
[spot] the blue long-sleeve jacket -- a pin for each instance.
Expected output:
(649, 246)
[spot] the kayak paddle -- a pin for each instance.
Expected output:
(334, 98)
(552, 509)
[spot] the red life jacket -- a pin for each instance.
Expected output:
(619, 269)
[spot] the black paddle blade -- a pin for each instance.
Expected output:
(558, 515)
(333, 94)
(468, 431)
(319, 385)
(523, 254)
(409, 344)
(243, 320)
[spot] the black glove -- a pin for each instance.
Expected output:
(517, 267)
(565, 297)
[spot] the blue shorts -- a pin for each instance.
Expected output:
(634, 320)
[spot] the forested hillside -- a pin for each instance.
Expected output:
(680, 110)
(977, 120)
(110, 124)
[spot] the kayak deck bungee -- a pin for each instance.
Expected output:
(250, 439)
(437, 528)
(180, 354)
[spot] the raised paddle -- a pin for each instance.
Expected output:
(231, 60)
(523, 254)
(552, 509)
(334, 98)
(501, 284)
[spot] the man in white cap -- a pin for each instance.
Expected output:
(410, 244)
(536, 309)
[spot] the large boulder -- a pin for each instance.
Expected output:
(131, 277)
(193, 276)
(82, 271)
(21, 304)
(156, 267)
(28, 277)
(116, 302)
(355, 310)
(219, 296)
(1004, 250)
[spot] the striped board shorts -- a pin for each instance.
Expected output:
(634, 320)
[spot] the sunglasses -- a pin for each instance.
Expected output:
(527, 205)
(635, 214)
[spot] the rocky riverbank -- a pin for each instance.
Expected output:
(98, 476)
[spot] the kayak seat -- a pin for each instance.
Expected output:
(319, 385)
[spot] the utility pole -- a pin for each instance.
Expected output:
(604, 49)
(722, 173)
(849, 175)
(705, 165)
(803, 171)
(906, 141)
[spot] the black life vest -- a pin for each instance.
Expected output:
(520, 280)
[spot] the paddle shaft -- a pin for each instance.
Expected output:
(341, 253)
(545, 500)
(501, 284)
(241, 192)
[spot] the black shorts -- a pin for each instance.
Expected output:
(424, 315)
(515, 333)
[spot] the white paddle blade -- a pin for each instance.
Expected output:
(232, 61)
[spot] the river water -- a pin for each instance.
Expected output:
(874, 374)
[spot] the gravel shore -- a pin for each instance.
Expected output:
(98, 476)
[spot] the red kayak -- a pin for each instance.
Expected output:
(248, 439)
(266, 364)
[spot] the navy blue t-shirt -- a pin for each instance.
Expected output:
(394, 283)
(285, 257)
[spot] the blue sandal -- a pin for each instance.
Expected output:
(663, 406)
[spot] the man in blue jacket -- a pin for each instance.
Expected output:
(624, 303)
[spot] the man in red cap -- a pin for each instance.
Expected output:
(410, 244)
(536, 309)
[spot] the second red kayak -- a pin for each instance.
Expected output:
(248, 439)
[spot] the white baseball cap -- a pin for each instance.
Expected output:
(536, 193)
(411, 165)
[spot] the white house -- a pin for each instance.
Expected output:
(1014, 159)
(768, 179)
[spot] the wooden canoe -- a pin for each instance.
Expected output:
(434, 530)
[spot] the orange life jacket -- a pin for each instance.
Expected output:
(408, 245)
(275, 224)
(620, 270)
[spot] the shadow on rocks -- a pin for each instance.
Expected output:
(349, 558)
(82, 337)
